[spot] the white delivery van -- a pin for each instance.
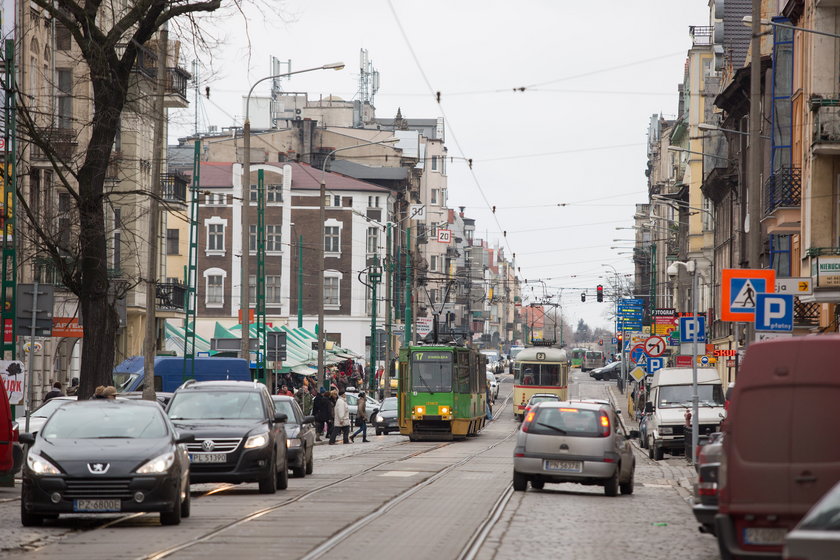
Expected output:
(670, 397)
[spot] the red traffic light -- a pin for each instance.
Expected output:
(600, 296)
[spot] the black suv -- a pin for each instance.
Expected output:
(239, 437)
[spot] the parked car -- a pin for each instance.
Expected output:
(239, 435)
(573, 442)
(106, 456)
(386, 418)
(817, 536)
(705, 500)
(300, 435)
(41, 414)
(609, 371)
(494, 385)
(781, 449)
(537, 398)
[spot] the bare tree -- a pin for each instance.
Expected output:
(110, 37)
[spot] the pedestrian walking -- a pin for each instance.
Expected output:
(304, 399)
(361, 419)
(321, 411)
(488, 400)
(54, 392)
(341, 420)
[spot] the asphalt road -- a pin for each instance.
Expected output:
(394, 499)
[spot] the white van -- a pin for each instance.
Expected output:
(669, 400)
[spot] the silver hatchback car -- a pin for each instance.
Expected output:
(580, 442)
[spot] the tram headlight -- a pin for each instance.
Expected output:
(419, 410)
(444, 410)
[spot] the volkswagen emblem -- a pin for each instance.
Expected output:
(98, 468)
(208, 445)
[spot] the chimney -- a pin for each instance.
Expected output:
(461, 208)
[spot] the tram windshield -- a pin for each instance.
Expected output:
(431, 372)
(546, 375)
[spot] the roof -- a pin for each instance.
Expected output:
(360, 171)
(304, 177)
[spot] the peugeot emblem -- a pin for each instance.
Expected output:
(98, 468)
(208, 445)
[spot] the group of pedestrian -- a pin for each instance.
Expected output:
(332, 416)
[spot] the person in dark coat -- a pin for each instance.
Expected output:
(322, 410)
(55, 392)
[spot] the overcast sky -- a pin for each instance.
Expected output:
(563, 162)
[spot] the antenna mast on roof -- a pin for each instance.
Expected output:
(368, 78)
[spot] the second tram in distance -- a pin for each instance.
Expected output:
(539, 369)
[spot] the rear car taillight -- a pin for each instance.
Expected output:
(604, 424)
(528, 419)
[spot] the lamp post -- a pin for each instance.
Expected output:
(322, 268)
(691, 268)
(244, 307)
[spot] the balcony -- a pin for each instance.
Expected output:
(62, 143)
(826, 132)
(782, 199)
(701, 35)
(171, 296)
(176, 79)
(173, 188)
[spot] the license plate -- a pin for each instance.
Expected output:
(97, 505)
(764, 535)
(565, 466)
(207, 457)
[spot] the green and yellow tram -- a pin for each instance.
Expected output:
(540, 369)
(441, 392)
(577, 355)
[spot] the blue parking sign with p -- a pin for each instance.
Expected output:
(692, 329)
(654, 364)
(774, 312)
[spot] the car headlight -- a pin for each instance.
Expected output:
(666, 430)
(379, 418)
(293, 442)
(39, 465)
(158, 465)
(258, 440)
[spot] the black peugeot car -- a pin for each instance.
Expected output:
(239, 436)
(105, 456)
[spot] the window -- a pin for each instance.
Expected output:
(433, 263)
(780, 246)
(372, 240)
(331, 291)
(215, 236)
(273, 193)
(274, 238)
(332, 238)
(434, 163)
(172, 247)
(65, 97)
(63, 39)
(117, 263)
(252, 238)
(215, 291)
(434, 196)
(272, 290)
(373, 202)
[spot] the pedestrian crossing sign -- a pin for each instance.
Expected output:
(739, 288)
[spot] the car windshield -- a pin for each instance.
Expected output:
(124, 381)
(216, 405)
(825, 516)
(49, 407)
(129, 421)
(389, 404)
(565, 421)
(675, 396)
(286, 408)
(431, 372)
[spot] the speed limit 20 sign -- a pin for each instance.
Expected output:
(444, 236)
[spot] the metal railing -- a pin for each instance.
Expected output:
(177, 78)
(783, 189)
(826, 119)
(171, 295)
(806, 314)
(701, 34)
(173, 187)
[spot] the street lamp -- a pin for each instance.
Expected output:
(704, 154)
(748, 20)
(244, 306)
(691, 268)
(669, 201)
(715, 128)
(323, 218)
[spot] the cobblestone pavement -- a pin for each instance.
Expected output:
(579, 522)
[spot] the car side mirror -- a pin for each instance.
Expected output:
(634, 434)
(618, 412)
(308, 419)
(185, 438)
(280, 417)
(26, 438)
(649, 407)
(375, 411)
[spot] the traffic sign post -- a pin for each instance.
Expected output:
(655, 364)
(655, 346)
(774, 312)
(692, 329)
(739, 287)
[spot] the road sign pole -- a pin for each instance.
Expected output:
(695, 400)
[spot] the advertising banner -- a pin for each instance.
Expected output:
(13, 376)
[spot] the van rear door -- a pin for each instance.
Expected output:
(815, 442)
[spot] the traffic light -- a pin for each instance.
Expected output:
(583, 296)
(600, 293)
